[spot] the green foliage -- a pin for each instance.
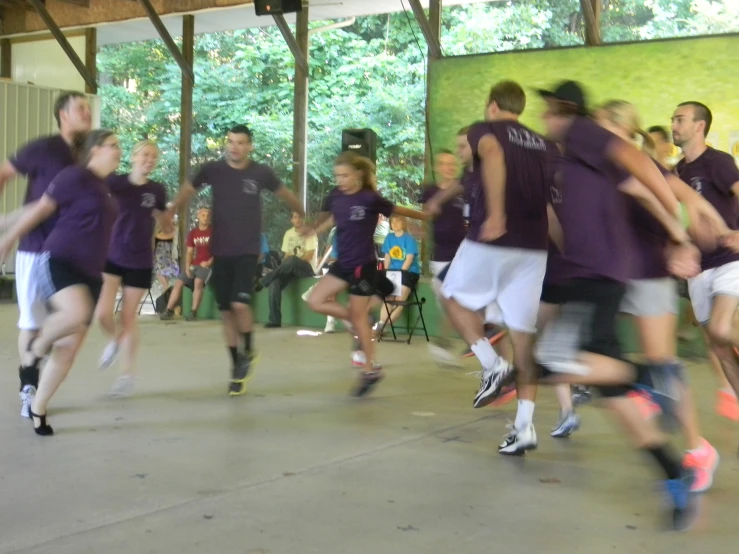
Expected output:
(371, 74)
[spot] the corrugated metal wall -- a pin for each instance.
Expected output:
(26, 112)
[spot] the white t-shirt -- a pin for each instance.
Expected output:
(294, 244)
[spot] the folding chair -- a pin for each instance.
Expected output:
(413, 300)
(148, 296)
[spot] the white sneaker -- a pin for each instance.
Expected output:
(568, 423)
(330, 325)
(27, 395)
(109, 356)
(492, 381)
(359, 359)
(122, 387)
(443, 357)
(518, 442)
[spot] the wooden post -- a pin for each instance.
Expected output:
(91, 49)
(300, 112)
(188, 53)
(6, 66)
(591, 13)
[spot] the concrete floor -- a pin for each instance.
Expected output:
(296, 466)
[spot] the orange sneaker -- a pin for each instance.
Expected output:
(703, 461)
(647, 408)
(727, 405)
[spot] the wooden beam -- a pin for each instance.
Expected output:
(82, 3)
(168, 40)
(428, 32)
(188, 54)
(91, 51)
(300, 111)
(6, 49)
(292, 44)
(591, 12)
(38, 5)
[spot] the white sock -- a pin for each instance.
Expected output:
(330, 320)
(485, 354)
(525, 414)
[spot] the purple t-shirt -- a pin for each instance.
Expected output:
(713, 174)
(528, 178)
(356, 216)
(558, 270)
(237, 207)
(87, 213)
(449, 229)
(131, 244)
(40, 161)
(599, 242)
(651, 239)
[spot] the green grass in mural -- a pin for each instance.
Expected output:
(655, 76)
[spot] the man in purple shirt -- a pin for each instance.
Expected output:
(714, 293)
(236, 183)
(40, 160)
(500, 266)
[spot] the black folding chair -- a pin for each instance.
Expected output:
(413, 300)
(148, 296)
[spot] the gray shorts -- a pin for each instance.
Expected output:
(651, 297)
(198, 272)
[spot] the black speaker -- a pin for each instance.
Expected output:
(361, 141)
(274, 7)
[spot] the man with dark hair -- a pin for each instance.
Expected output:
(40, 160)
(237, 183)
(662, 145)
(714, 293)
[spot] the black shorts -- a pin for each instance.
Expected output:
(57, 275)
(134, 278)
(232, 279)
(553, 294)
(363, 280)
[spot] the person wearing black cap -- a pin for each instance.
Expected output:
(500, 265)
(581, 345)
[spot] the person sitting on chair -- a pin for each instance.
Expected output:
(198, 261)
(401, 254)
(301, 258)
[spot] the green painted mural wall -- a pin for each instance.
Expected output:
(655, 76)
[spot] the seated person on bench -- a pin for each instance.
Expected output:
(401, 254)
(300, 261)
(198, 261)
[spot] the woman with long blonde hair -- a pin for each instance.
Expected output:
(354, 206)
(130, 262)
(652, 298)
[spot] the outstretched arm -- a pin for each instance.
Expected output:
(287, 196)
(37, 213)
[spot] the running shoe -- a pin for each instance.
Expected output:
(367, 381)
(492, 382)
(167, 315)
(493, 333)
(727, 405)
(703, 461)
(192, 316)
(507, 394)
(684, 502)
(518, 442)
(581, 395)
(122, 387)
(243, 371)
(568, 423)
(109, 356)
(27, 395)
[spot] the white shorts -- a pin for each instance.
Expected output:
(703, 287)
(505, 281)
(437, 267)
(31, 303)
(651, 297)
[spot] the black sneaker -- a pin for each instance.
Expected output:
(167, 315)
(367, 381)
(192, 316)
(241, 373)
(492, 383)
(271, 325)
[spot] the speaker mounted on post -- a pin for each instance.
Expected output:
(361, 141)
(276, 7)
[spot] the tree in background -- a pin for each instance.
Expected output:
(371, 74)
